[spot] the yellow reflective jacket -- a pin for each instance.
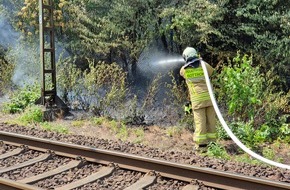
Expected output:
(196, 84)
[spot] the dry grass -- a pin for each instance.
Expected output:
(153, 136)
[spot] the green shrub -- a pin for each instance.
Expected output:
(70, 84)
(241, 87)
(177, 97)
(176, 93)
(217, 151)
(152, 92)
(284, 133)
(252, 101)
(252, 137)
(268, 153)
(22, 98)
(263, 134)
(113, 125)
(244, 132)
(32, 114)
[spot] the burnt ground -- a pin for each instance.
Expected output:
(156, 142)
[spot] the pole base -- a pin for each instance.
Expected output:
(58, 110)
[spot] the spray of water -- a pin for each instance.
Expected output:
(171, 61)
(153, 61)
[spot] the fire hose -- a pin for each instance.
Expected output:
(228, 130)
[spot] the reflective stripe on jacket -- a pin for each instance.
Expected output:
(195, 81)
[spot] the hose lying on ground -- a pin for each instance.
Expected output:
(230, 133)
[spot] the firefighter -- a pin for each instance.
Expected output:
(203, 111)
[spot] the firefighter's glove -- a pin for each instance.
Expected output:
(187, 108)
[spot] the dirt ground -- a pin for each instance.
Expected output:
(164, 138)
(153, 136)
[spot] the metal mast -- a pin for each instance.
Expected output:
(47, 53)
(49, 96)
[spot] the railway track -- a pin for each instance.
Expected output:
(83, 167)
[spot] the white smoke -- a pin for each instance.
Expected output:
(8, 35)
(25, 55)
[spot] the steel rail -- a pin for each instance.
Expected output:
(183, 172)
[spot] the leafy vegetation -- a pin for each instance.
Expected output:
(241, 88)
(248, 95)
(120, 31)
(217, 151)
(105, 40)
(32, 114)
(22, 98)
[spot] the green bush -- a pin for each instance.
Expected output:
(122, 132)
(250, 135)
(99, 120)
(70, 84)
(263, 134)
(284, 133)
(241, 88)
(268, 153)
(253, 104)
(32, 114)
(217, 151)
(244, 132)
(22, 98)
(176, 93)
(250, 95)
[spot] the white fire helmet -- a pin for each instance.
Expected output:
(189, 52)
